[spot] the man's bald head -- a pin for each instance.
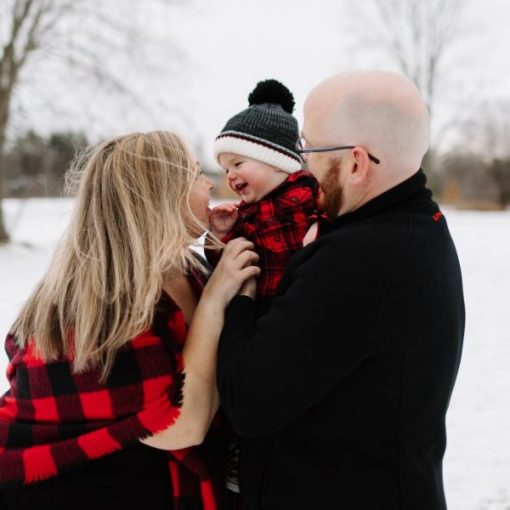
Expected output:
(381, 111)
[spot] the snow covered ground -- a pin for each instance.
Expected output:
(477, 464)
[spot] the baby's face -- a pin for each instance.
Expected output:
(249, 178)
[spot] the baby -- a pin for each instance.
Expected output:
(257, 150)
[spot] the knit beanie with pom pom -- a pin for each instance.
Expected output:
(266, 131)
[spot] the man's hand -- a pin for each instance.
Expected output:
(222, 219)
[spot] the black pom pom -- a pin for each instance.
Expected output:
(272, 91)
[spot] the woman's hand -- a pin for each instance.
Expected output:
(234, 268)
(200, 397)
(249, 288)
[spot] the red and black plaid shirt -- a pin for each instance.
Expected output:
(52, 418)
(276, 225)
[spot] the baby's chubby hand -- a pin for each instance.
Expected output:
(222, 219)
(311, 234)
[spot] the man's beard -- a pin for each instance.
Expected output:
(332, 194)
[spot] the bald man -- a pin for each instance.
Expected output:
(340, 391)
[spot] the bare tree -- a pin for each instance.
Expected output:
(415, 34)
(79, 33)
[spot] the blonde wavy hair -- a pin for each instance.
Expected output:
(131, 228)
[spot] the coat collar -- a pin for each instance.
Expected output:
(408, 195)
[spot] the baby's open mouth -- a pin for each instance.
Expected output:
(239, 187)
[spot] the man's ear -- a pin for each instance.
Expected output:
(361, 165)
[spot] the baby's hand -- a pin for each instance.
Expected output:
(311, 235)
(222, 219)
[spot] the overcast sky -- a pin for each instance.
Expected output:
(229, 45)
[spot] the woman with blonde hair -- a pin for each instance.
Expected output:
(112, 358)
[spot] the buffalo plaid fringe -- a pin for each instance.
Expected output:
(52, 418)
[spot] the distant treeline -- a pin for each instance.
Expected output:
(473, 181)
(35, 167)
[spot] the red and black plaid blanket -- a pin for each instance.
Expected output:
(276, 225)
(52, 418)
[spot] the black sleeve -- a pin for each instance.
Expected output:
(272, 370)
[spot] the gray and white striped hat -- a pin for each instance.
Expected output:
(266, 131)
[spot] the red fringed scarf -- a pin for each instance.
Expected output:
(141, 396)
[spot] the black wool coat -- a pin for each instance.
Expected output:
(340, 391)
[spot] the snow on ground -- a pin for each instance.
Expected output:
(477, 463)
